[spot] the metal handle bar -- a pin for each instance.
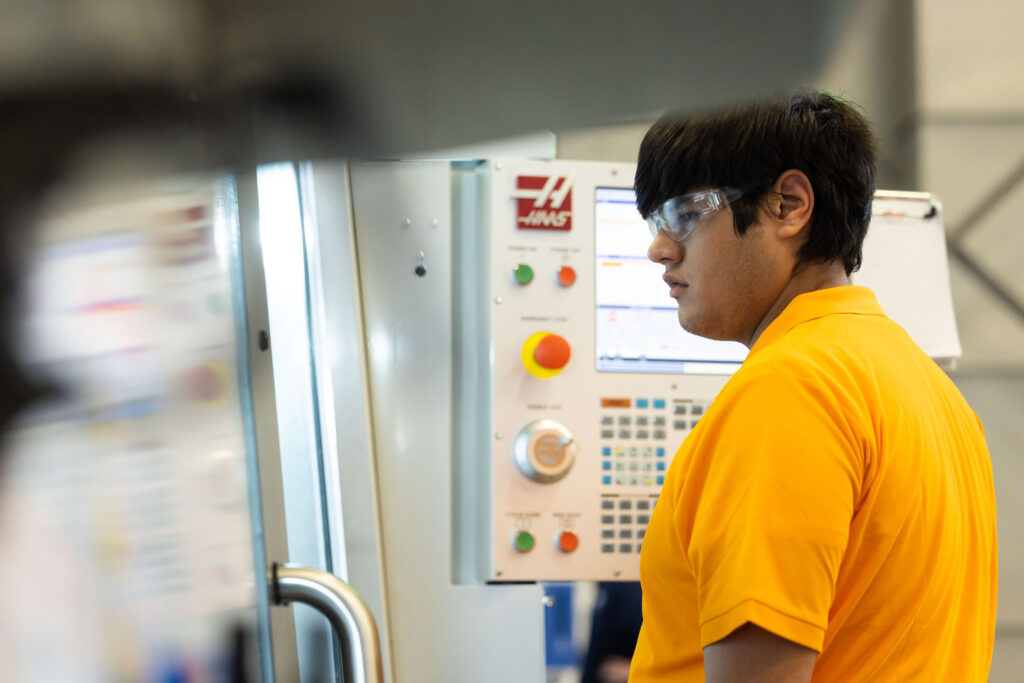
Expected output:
(348, 614)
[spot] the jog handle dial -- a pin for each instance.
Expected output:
(544, 451)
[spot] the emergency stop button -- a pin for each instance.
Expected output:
(566, 276)
(546, 354)
(568, 541)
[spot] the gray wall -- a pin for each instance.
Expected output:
(970, 126)
(942, 85)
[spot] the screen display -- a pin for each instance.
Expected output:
(637, 322)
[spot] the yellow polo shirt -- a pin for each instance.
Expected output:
(838, 493)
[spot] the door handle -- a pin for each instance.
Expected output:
(351, 618)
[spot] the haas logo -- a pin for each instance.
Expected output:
(543, 202)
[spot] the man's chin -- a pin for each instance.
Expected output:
(700, 329)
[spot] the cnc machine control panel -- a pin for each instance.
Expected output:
(594, 384)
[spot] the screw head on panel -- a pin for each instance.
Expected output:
(616, 573)
(615, 171)
(434, 223)
(407, 223)
(497, 572)
(498, 435)
(548, 601)
(499, 300)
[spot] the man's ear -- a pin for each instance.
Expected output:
(793, 204)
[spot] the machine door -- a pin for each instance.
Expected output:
(144, 498)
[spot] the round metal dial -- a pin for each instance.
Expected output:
(544, 451)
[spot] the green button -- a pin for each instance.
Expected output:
(524, 541)
(524, 274)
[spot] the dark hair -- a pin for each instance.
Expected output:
(749, 146)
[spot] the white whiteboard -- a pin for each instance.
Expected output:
(907, 266)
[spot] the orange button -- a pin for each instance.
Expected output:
(552, 352)
(566, 276)
(615, 402)
(568, 541)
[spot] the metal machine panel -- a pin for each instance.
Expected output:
(403, 218)
(577, 456)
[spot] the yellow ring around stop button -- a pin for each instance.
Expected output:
(532, 366)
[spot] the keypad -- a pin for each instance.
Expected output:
(624, 532)
(638, 429)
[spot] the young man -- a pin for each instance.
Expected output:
(832, 516)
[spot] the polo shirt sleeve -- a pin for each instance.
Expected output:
(766, 508)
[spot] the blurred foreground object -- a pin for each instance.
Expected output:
(312, 79)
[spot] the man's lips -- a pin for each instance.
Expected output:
(675, 286)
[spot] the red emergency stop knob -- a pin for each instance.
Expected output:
(552, 352)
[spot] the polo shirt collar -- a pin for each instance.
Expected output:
(847, 299)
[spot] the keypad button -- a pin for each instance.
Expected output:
(620, 466)
(660, 452)
(606, 450)
(625, 505)
(641, 533)
(647, 481)
(647, 467)
(606, 480)
(607, 420)
(642, 421)
(643, 505)
(634, 452)
(634, 481)
(638, 546)
(607, 433)
(659, 434)
(625, 547)
(625, 434)
(634, 466)
(607, 519)
(660, 480)
(643, 519)
(607, 533)
(625, 533)
(696, 409)
(620, 451)
(648, 452)
(606, 465)
(680, 424)
(620, 480)
(659, 404)
(641, 403)
(625, 420)
(625, 519)
(607, 547)
(607, 504)
(661, 465)
(643, 434)
(693, 424)
(680, 409)
(659, 421)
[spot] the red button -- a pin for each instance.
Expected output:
(552, 352)
(568, 541)
(566, 276)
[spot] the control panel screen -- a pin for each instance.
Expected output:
(637, 322)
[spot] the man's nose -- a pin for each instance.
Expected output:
(664, 249)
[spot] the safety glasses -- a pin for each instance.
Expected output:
(681, 215)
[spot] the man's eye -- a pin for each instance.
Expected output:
(688, 216)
